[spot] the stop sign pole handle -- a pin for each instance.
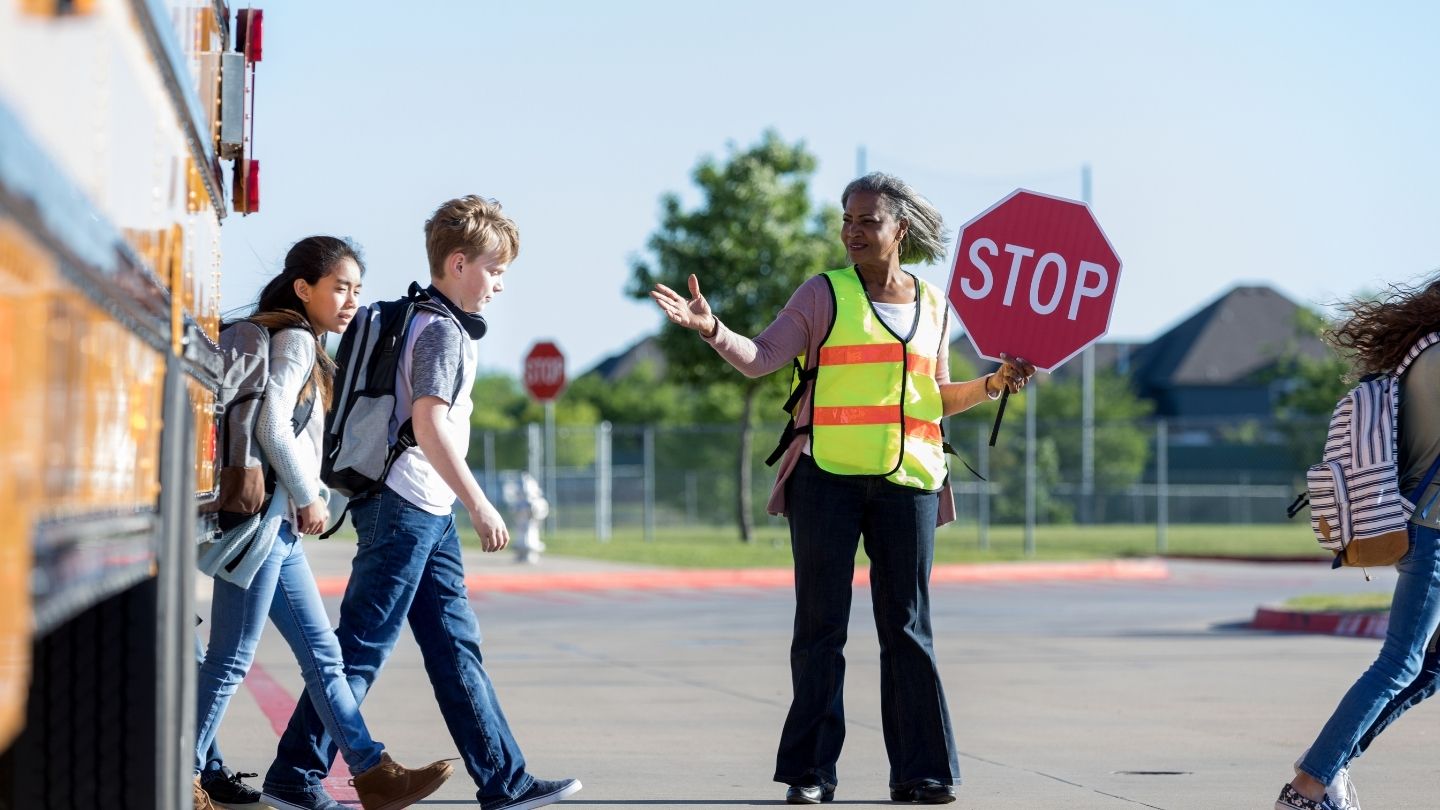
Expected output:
(999, 415)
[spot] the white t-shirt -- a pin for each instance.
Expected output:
(899, 317)
(412, 476)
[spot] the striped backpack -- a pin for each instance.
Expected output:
(1356, 508)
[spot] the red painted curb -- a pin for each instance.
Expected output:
(1357, 625)
(708, 578)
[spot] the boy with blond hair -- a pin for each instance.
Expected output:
(408, 563)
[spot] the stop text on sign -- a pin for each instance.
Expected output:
(1033, 276)
(544, 370)
(1091, 280)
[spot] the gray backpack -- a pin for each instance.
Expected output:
(246, 482)
(358, 451)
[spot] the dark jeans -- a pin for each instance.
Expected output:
(828, 516)
(408, 566)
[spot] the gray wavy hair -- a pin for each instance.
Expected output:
(925, 238)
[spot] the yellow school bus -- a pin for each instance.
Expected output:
(123, 148)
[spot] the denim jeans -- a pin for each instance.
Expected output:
(1394, 682)
(284, 588)
(828, 515)
(408, 566)
(211, 760)
(1422, 687)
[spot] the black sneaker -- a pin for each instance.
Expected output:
(225, 787)
(543, 792)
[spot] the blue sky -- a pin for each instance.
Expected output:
(1288, 143)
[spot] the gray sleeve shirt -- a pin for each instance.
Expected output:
(436, 365)
(1419, 439)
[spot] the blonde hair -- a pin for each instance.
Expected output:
(471, 224)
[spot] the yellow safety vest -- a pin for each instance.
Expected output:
(875, 403)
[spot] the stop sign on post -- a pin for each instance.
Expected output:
(544, 371)
(1033, 277)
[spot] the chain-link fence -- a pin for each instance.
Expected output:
(1155, 472)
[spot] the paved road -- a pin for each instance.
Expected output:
(1064, 695)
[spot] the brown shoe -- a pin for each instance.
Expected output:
(202, 799)
(391, 786)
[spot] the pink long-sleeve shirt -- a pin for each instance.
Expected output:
(799, 329)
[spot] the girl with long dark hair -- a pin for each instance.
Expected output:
(1378, 335)
(267, 574)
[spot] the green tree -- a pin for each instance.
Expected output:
(754, 237)
(501, 405)
(641, 397)
(498, 402)
(1309, 386)
(1307, 389)
(1122, 437)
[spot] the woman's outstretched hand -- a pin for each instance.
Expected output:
(692, 314)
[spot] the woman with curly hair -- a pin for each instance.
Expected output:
(1378, 335)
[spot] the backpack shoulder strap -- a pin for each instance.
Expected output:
(303, 408)
(1420, 345)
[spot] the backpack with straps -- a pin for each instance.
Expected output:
(246, 481)
(358, 452)
(1357, 510)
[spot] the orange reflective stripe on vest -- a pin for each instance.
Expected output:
(875, 415)
(876, 353)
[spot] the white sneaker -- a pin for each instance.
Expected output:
(1344, 791)
(1340, 791)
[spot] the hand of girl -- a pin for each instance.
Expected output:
(313, 516)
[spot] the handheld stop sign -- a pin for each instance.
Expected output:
(1033, 277)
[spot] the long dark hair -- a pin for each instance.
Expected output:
(311, 259)
(1379, 331)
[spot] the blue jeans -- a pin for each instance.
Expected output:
(828, 515)
(408, 566)
(284, 589)
(1422, 687)
(211, 760)
(1394, 682)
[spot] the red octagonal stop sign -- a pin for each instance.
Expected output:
(544, 371)
(1033, 277)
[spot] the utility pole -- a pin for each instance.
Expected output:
(1087, 414)
(860, 161)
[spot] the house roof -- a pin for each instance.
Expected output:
(618, 366)
(1227, 342)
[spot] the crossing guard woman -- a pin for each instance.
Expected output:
(866, 460)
